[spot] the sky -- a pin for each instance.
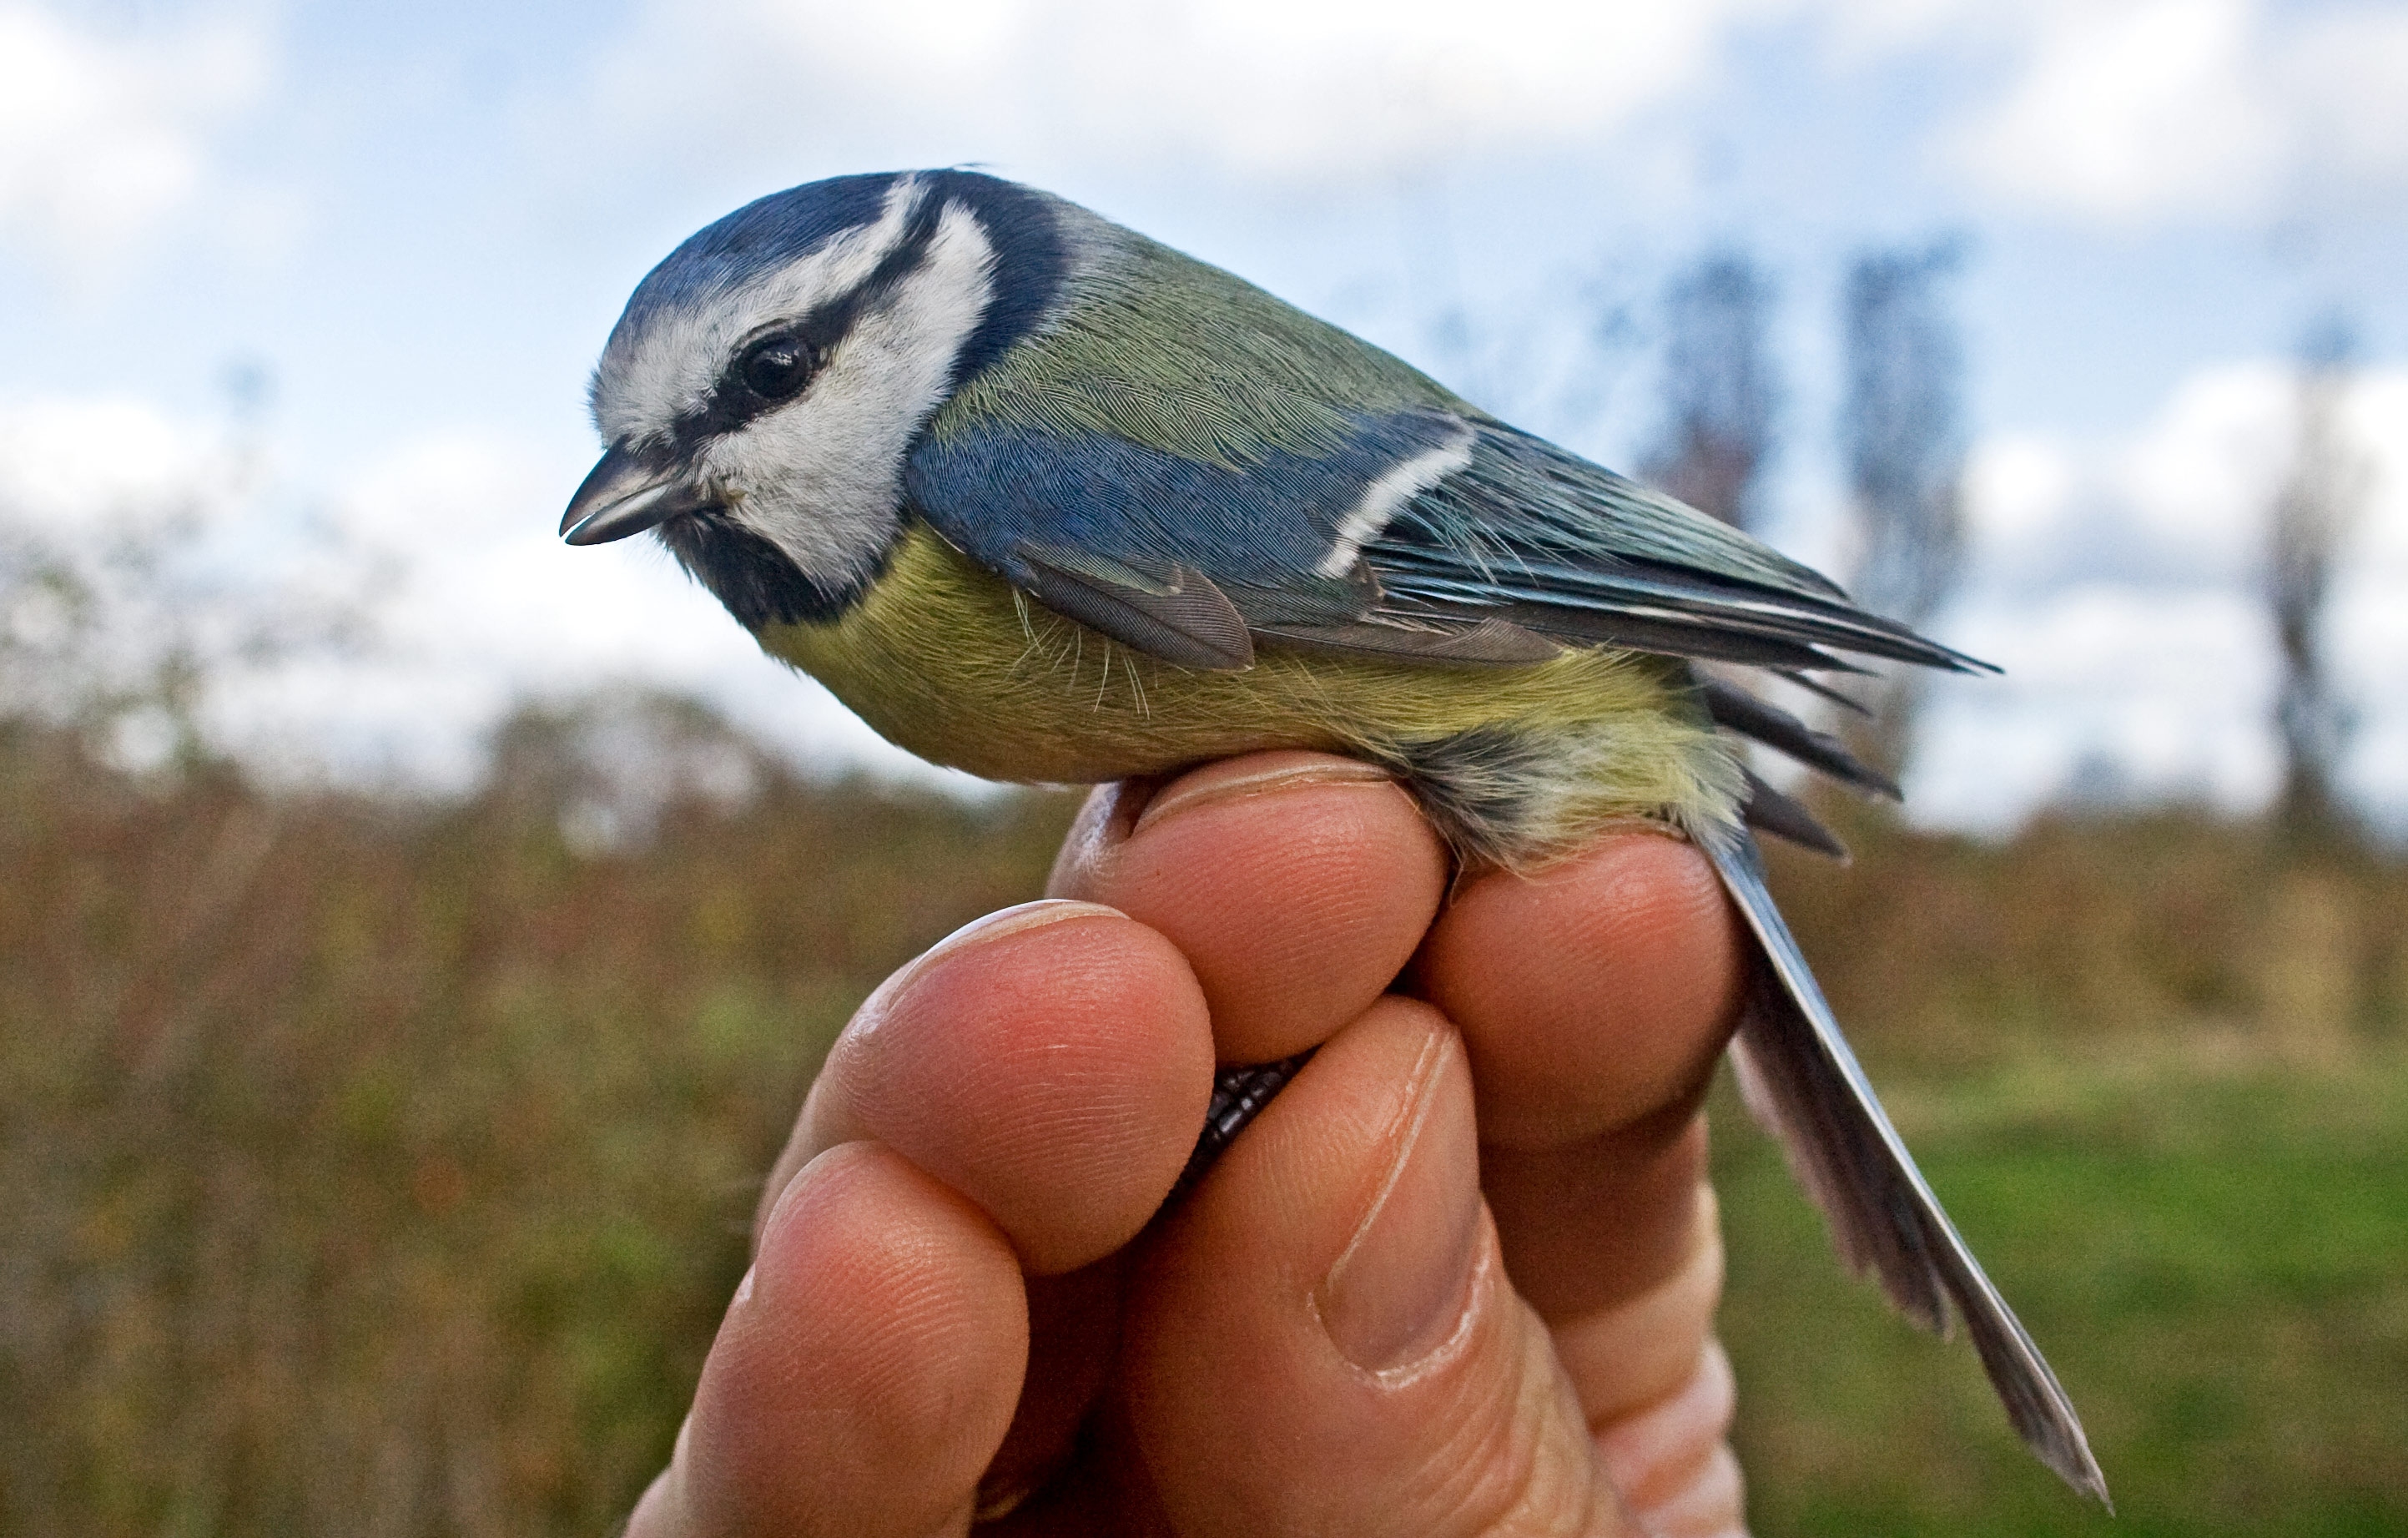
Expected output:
(314, 288)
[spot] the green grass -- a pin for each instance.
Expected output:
(2214, 1253)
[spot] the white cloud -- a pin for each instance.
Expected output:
(2168, 687)
(2119, 111)
(66, 464)
(2348, 72)
(2134, 111)
(2018, 489)
(377, 632)
(106, 135)
(2118, 587)
(2375, 417)
(1292, 87)
(2130, 109)
(486, 606)
(2199, 477)
(109, 513)
(2182, 501)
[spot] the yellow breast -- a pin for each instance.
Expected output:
(948, 661)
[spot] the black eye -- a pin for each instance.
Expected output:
(777, 368)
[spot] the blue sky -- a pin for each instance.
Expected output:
(419, 222)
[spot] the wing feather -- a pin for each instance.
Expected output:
(1526, 523)
(1179, 616)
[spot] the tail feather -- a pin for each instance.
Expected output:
(1768, 810)
(1801, 1079)
(1734, 708)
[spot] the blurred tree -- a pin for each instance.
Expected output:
(1902, 427)
(1719, 388)
(2311, 514)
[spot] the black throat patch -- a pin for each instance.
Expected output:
(760, 585)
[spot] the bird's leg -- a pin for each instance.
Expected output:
(1239, 1095)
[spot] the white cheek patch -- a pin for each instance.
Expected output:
(1388, 493)
(822, 478)
(672, 366)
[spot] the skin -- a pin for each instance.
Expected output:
(1458, 1279)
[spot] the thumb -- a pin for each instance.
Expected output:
(1323, 1339)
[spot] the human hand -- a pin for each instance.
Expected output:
(1458, 1278)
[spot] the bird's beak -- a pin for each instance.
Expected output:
(627, 493)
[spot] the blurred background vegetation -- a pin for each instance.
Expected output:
(374, 1160)
(379, 1165)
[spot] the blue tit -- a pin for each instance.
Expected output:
(1045, 501)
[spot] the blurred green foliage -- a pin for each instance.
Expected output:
(374, 1165)
(2212, 1249)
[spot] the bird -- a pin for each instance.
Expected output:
(1042, 499)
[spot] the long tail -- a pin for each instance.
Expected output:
(1803, 1084)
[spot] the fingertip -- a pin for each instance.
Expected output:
(1591, 994)
(1050, 1062)
(867, 1374)
(1298, 886)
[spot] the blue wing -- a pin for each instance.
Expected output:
(1423, 532)
(1529, 533)
(1019, 499)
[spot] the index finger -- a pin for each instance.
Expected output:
(1296, 884)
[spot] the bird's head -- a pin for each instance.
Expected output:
(762, 390)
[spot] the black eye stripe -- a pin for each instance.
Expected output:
(736, 399)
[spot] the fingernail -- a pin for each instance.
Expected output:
(1003, 922)
(1400, 1288)
(1241, 777)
